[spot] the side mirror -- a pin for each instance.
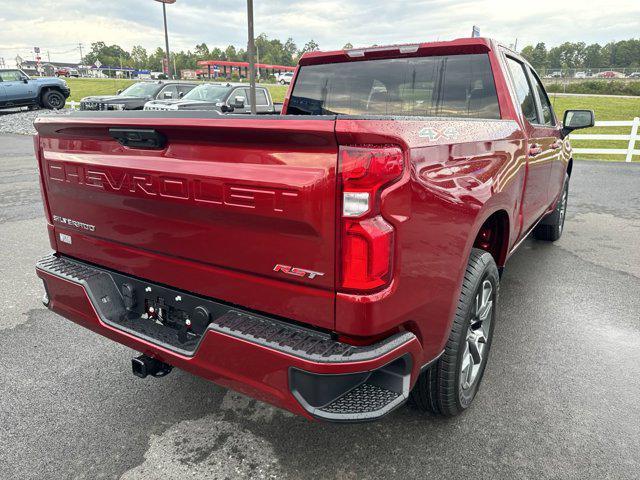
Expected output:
(180, 94)
(238, 102)
(119, 92)
(25, 80)
(167, 95)
(226, 108)
(576, 119)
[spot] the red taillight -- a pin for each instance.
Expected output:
(367, 239)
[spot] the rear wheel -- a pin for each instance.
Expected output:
(551, 227)
(448, 387)
(53, 99)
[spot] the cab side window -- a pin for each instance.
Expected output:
(10, 76)
(523, 90)
(547, 111)
(240, 92)
(171, 92)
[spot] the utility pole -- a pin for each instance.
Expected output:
(166, 37)
(81, 56)
(167, 58)
(251, 51)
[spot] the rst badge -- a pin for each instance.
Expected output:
(296, 272)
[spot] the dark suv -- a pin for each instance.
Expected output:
(18, 90)
(135, 96)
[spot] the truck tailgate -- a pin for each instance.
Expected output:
(238, 209)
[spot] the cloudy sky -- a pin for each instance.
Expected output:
(58, 25)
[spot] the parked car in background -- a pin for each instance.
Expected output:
(67, 72)
(333, 260)
(284, 78)
(580, 75)
(221, 97)
(610, 74)
(18, 89)
(634, 75)
(136, 95)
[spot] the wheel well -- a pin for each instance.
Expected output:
(46, 89)
(570, 166)
(493, 236)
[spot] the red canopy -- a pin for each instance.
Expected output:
(225, 63)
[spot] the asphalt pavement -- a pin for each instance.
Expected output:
(560, 398)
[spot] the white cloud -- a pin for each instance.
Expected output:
(59, 25)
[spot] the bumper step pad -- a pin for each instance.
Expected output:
(362, 400)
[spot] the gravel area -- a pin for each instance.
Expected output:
(20, 121)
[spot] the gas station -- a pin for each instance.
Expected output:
(224, 68)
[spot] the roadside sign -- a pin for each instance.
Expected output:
(36, 49)
(98, 63)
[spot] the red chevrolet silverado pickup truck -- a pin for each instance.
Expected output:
(334, 260)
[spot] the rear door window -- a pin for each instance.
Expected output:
(261, 98)
(443, 86)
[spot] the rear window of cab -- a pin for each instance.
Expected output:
(440, 86)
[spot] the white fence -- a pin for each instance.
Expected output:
(632, 138)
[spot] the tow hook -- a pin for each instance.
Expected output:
(145, 365)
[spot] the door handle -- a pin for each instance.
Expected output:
(556, 145)
(534, 149)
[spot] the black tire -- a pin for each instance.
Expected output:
(53, 100)
(551, 227)
(444, 389)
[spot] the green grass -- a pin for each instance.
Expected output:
(278, 92)
(605, 108)
(84, 87)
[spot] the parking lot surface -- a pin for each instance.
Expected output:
(560, 398)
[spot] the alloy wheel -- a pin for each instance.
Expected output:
(475, 348)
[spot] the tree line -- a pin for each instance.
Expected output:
(271, 51)
(621, 54)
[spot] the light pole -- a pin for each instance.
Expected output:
(251, 51)
(166, 35)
